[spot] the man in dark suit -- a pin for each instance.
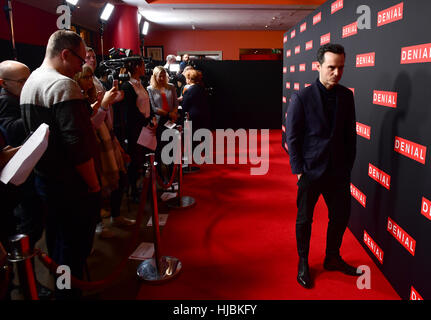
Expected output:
(321, 139)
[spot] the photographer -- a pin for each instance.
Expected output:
(130, 116)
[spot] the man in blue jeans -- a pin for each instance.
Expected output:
(65, 176)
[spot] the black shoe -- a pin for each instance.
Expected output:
(304, 273)
(336, 263)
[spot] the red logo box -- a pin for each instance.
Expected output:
(284, 39)
(303, 27)
(302, 67)
(287, 85)
(284, 69)
(410, 149)
(293, 34)
(296, 86)
(297, 49)
(414, 295)
(324, 39)
(317, 18)
(403, 237)
(416, 54)
(350, 30)
(380, 176)
(358, 195)
(292, 69)
(336, 6)
(366, 60)
(314, 65)
(309, 45)
(385, 98)
(390, 15)
(375, 249)
(426, 208)
(363, 130)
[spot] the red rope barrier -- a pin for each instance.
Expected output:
(102, 284)
(174, 173)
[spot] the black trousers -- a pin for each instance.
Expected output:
(336, 193)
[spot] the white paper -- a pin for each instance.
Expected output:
(22, 163)
(147, 138)
(169, 124)
(143, 252)
(163, 218)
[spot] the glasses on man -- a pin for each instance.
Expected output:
(79, 57)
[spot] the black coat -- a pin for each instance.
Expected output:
(312, 142)
(195, 102)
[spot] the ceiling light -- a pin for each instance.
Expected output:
(107, 12)
(72, 2)
(145, 28)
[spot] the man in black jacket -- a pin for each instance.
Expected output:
(321, 139)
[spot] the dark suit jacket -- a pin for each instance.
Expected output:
(10, 118)
(195, 102)
(312, 144)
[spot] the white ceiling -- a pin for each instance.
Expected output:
(189, 16)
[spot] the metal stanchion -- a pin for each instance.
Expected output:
(188, 150)
(21, 255)
(181, 202)
(160, 268)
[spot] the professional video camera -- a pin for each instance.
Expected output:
(121, 62)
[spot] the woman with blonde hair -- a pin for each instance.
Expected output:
(164, 102)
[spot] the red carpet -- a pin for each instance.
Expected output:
(238, 242)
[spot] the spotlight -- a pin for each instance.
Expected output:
(72, 2)
(106, 14)
(145, 28)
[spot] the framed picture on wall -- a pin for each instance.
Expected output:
(155, 52)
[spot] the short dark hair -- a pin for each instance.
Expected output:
(329, 47)
(63, 39)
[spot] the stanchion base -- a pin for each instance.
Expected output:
(191, 169)
(169, 268)
(183, 203)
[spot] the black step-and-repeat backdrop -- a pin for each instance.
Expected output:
(388, 68)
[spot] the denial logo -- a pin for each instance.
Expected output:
(284, 100)
(326, 38)
(303, 27)
(358, 195)
(284, 69)
(296, 86)
(314, 65)
(403, 237)
(375, 249)
(284, 39)
(390, 15)
(385, 98)
(293, 34)
(410, 149)
(309, 45)
(292, 69)
(288, 53)
(365, 60)
(350, 30)
(317, 18)
(363, 130)
(416, 54)
(336, 6)
(297, 49)
(414, 295)
(426, 208)
(378, 175)
(302, 67)
(287, 85)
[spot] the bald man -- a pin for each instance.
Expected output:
(13, 75)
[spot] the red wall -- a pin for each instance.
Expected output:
(227, 41)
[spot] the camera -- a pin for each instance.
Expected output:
(120, 64)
